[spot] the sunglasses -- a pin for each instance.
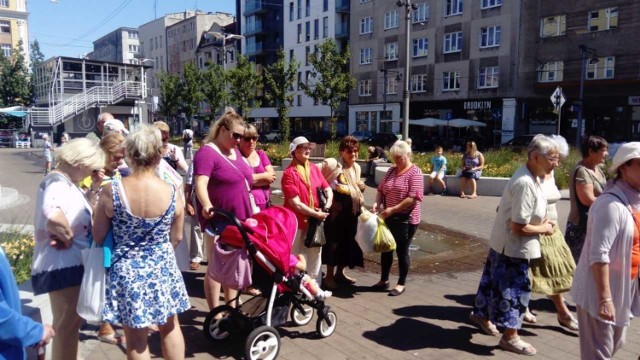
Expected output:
(250, 138)
(236, 136)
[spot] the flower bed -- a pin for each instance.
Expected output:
(18, 248)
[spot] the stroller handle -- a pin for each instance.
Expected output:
(236, 222)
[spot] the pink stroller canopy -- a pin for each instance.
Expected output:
(272, 236)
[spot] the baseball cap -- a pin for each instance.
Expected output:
(115, 125)
(300, 140)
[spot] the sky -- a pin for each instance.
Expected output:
(69, 27)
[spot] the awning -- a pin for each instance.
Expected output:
(428, 122)
(14, 111)
(460, 123)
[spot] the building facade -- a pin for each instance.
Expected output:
(14, 27)
(121, 45)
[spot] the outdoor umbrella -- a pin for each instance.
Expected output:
(13, 111)
(460, 123)
(429, 122)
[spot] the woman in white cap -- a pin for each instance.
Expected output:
(46, 153)
(605, 286)
(300, 182)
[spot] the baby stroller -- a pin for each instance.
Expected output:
(254, 320)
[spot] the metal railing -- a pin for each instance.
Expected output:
(98, 95)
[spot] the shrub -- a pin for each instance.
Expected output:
(19, 250)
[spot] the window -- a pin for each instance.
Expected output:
(551, 71)
(156, 42)
(299, 9)
(325, 27)
(453, 42)
(133, 34)
(291, 11)
(603, 69)
(364, 1)
(391, 51)
(366, 56)
(291, 54)
(364, 88)
(421, 13)
(5, 26)
(366, 25)
(450, 81)
(490, 36)
(392, 85)
(485, 4)
(603, 19)
(4, 3)
(307, 31)
(420, 47)
(307, 8)
(453, 7)
(307, 52)
(391, 19)
(160, 42)
(6, 49)
(316, 29)
(325, 5)
(419, 83)
(488, 77)
(133, 48)
(553, 26)
(299, 33)
(299, 79)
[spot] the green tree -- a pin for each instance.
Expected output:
(213, 87)
(15, 88)
(245, 86)
(36, 58)
(332, 78)
(191, 95)
(170, 91)
(279, 79)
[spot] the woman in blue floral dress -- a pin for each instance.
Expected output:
(144, 285)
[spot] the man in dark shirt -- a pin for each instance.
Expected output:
(376, 155)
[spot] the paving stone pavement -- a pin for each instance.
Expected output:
(429, 321)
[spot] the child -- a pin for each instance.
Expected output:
(298, 264)
(438, 170)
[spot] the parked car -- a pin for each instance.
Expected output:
(6, 138)
(273, 135)
(362, 135)
(384, 140)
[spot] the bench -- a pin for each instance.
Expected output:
(487, 186)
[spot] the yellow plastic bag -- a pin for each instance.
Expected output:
(383, 241)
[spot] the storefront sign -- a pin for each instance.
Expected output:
(634, 100)
(477, 105)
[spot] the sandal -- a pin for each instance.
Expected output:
(516, 345)
(380, 286)
(568, 322)
(486, 326)
(252, 291)
(112, 338)
(529, 317)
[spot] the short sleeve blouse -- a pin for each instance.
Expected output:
(395, 188)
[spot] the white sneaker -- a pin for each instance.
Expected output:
(323, 295)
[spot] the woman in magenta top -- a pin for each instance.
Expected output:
(398, 202)
(299, 186)
(222, 178)
(263, 173)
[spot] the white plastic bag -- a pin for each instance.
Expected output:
(366, 230)
(93, 286)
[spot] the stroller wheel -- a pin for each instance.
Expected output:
(217, 324)
(262, 343)
(301, 317)
(326, 325)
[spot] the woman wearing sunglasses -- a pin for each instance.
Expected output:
(263, 173)
(222, 178)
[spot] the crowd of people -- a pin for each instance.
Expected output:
(125, 190)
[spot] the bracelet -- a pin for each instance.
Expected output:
(606, 301)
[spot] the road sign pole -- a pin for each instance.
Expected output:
(559, 109)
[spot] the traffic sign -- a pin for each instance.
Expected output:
(557, 98)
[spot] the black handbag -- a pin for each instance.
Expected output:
(315, 232)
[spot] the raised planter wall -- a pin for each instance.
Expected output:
(487, 186)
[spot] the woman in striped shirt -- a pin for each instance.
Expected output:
(398, 202)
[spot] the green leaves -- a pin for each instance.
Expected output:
(279, 79)
(15, 87)
(246, 86)
(190, 90)
(170, 94)
(213, 87)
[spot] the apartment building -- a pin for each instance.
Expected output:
(184, 37)
(552, 57)
(14, 27)
(121, 45)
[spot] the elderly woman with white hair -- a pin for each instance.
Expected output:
(62, 231)
(505, 286)
(398, 202)
(605, 286)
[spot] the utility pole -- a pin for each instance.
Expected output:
(405, 95)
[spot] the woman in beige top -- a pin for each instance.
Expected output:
(585, 184)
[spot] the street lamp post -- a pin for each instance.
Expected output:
(405, 95)
(584, 51)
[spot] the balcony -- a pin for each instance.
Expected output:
(253, 29)
(342, 6)
(253, 49)
(254, 7)
(342, 30)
